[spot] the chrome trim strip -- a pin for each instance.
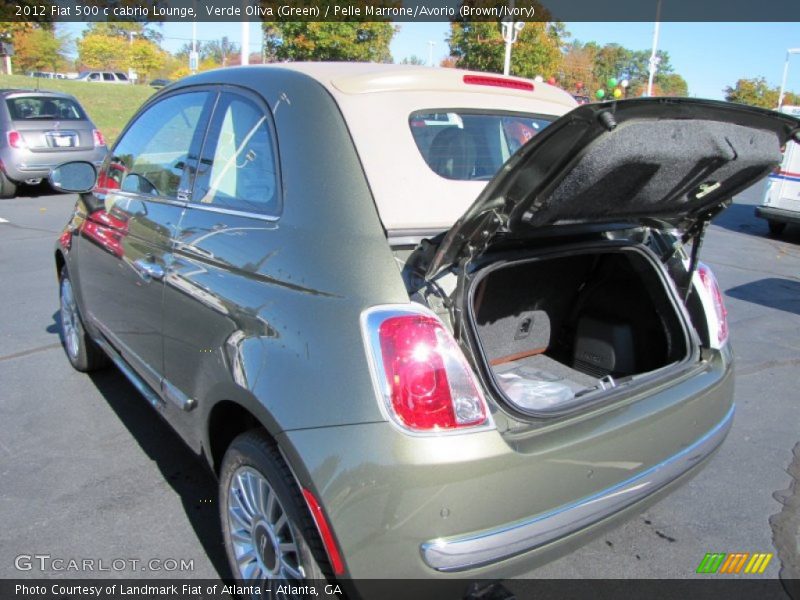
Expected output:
(137, 382)
(232, 212)
(460, 553)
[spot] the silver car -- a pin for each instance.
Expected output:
(39, 131)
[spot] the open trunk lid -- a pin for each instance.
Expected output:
(664, 162)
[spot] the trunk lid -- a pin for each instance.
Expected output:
(664, 162)
(55, 136)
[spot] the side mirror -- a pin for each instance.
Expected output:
(73, 177)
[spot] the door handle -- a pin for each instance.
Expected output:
(149, 270)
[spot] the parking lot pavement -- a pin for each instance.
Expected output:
(88, 471)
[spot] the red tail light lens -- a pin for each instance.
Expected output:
(15, 139)
(717, 317)
(99, 140)
(426, 383)
(501, 82)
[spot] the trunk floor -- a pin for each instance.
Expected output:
(544, 368)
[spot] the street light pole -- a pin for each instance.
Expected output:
(653, 62)
(789, 52)
(510, 32)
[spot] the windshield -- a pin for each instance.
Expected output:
(44, 108)
(467, 145)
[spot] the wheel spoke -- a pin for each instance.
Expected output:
(245, 501)
(239, 511)
(282, 520)
(288, 547)
(289, 571)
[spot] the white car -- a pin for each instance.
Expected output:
(104, 77)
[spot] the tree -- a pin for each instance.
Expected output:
(98, 51)
(220, 52)
(39, 50)
(125, 29)
(350, 41)
(479, 46)
(756, 92)
(146, 57)
(412, 60)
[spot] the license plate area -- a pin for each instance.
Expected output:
(61, 139)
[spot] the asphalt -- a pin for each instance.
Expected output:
(88, 470)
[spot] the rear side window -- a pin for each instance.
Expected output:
(466, 145)
(108, 77)
(44, 108)
(121, 76)
(151, 156)
(237, 167)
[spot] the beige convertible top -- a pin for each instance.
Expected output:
(377, 101)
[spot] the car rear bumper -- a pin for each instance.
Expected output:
(781, 215)
(32, 166)
(470, 551)
(492, 504)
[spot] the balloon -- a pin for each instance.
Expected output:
(579, 85)
(538, 79)
(612, 82)
(600, 93)
(624, 83)
(551, 80)
(617, 93)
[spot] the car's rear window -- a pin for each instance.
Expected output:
(471, 145)
(25, 108)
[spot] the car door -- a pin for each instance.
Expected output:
(126, 242)
(215, 293)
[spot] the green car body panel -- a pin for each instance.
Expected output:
(263, 314)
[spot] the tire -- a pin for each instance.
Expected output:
(775, 227)
(83, 354)
(8, 189)
(263, 548)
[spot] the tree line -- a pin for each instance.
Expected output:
(542, 50)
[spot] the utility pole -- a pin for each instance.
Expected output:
(789, 52)
(431, 44)
(654, 60)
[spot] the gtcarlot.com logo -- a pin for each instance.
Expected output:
(734, 563)
(46, 562)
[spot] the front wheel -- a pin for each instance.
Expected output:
(270, 538)
(83, 354)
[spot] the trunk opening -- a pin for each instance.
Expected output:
(556, 331)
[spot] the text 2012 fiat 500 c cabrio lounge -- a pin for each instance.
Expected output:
(422, 323)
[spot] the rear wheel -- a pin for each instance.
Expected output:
(8, 189)
(270, 538)
(775, 227)
(83, 354)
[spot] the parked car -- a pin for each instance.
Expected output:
(103, 77)
(781, 204)
(39, 131)
(406, 350)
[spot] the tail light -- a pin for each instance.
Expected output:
(15, 139)
(422, 377)
(716, 314)
(99, 140)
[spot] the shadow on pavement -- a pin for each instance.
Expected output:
(180, 467)
(772, 292)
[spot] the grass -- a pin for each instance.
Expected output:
(109, 106)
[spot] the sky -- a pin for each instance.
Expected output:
(710, 56)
